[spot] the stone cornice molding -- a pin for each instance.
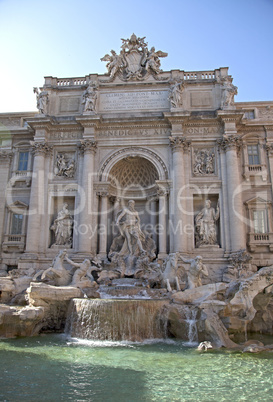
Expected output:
(178, 143)
(87, 146)
(230, 142)
(41, 148)
(89, 121)
(230, 116)
(40, 123)
(177, 117)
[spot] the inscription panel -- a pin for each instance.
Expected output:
(142, 100)
(201, 99)
(135, 132)
(68, 104)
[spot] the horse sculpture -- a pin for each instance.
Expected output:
(169, 274)
(56, 274)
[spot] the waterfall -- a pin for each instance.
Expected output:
(106, 319)
(191, 314)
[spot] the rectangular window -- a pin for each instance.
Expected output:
(250, 115)
(23, 161)
(260, 221)
(253, 155)
(17, 224)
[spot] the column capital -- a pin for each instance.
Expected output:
(269, 148)
(87, 146)
(41, 148)
(179, 143)
(230, 142)
(102, 193)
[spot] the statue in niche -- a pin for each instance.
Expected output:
(90, 96)
(206, 225)
(197, 268)
(42, 100)
(229, 91)
(204, 161)
(64, 167)
(128, 223)
(62, 228)
(176, 94)
(133, 249)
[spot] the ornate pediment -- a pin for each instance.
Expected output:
(135, 61)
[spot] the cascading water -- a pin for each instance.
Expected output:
(106, 319)
(191, 321)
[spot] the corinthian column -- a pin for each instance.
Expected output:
(37, 197)
(85, 225)
(231, 145)
(179, 204)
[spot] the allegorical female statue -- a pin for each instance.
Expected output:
(62, 228)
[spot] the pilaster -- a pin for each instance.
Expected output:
(86, 224)
(37, 196)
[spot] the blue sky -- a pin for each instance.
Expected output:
(67, 39)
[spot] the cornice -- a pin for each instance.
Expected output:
(89, 121)
(230, 115)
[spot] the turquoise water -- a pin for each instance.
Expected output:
(54, 368)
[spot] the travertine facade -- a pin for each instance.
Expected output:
(169, 140)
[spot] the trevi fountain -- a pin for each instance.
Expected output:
(136, 259)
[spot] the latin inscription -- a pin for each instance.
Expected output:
(202, 130)
(135, 132)
(143, 100)
(65, 136)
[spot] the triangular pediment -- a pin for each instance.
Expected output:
(17, 205)
(257, 200)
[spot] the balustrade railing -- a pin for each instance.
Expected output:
(14, 238)
(65, 82)
(199, 75)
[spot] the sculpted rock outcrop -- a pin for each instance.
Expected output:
(17, 321)
(242, 302)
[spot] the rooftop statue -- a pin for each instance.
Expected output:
(135, 61)
(42, 100)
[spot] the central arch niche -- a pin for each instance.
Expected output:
(138, 174)
(132, 174)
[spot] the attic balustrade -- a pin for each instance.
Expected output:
(79, 81)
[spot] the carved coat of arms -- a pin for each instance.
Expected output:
(135, 60)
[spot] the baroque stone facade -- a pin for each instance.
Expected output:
(172, 141)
